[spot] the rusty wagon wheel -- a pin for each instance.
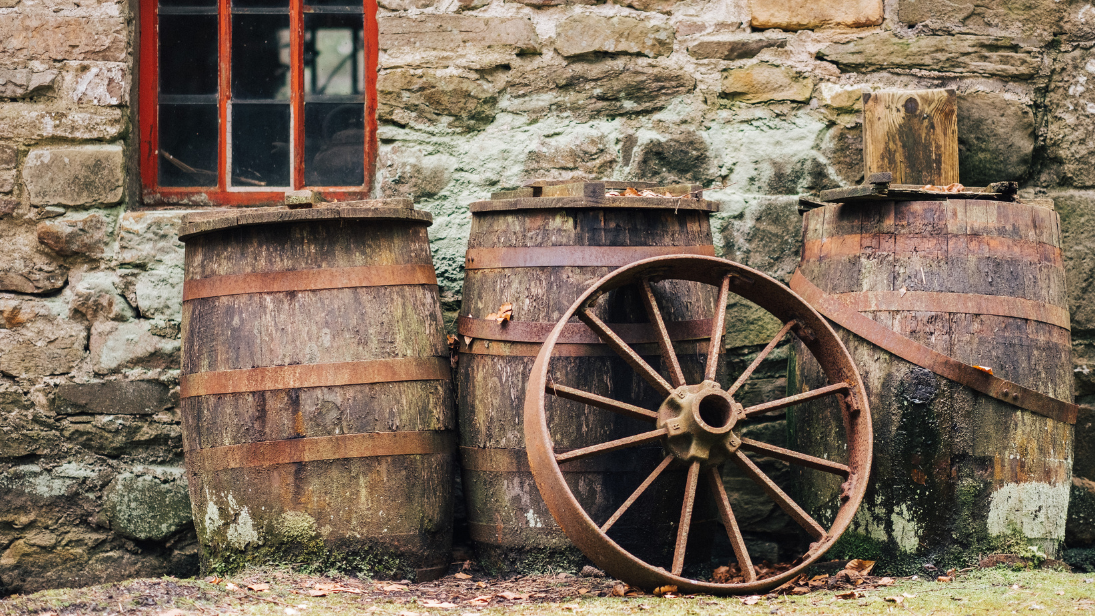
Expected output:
(698, 424)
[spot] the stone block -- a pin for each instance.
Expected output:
(148, 238)
(611, 87)
(37, 343)
(49, 36)
(98, 84)
(75, 176)
(982, 55)
(118, 435)
(763, 82)
(406, 172)
(1070, 110)
(448, 40)
(20, 434)
(157, 291)
(405, 5)
(681, 157)
(9, 155)
(995, 138)
(1079, 23)
(583, 155)
(659, 6)
(1077, 212)
(19, 83)
(7, 182)
(813, 14)
(28, 121)
(1036, 21)
(26, 267)
(112, 398)
(584, 33)
(115, 346)
(8, 206)
(96, 297)
(737, 48)
(459, 101)
(75, 236)
(148, 507)
(766, 235)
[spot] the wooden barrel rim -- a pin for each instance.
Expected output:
(614, 203)
(501, 348)
(319, 448)
(579, 333)
(206, 222)
(955, 303)
(302, 376)
(515, 459)
(309, 280)
(573, 256)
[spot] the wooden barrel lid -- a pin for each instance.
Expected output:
(561, 194)
(376, 209)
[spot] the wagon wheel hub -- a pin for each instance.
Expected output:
(699, 421)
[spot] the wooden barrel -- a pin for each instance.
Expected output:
(538, 249)
(316, 390)
(959, 470)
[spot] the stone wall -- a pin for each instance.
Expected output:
(759, 99)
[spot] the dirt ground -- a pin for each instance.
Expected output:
(1003, 589)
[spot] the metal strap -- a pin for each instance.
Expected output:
(579, 333)
(573, 256)
(310, 280)
(922, 356)
(479, 346)
(953, 245)
(343, 446)
(515, 460)
(315, 375)
(962, 303)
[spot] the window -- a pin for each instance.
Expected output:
(242, 100)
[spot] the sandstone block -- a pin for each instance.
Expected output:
(98, 84)
(37, 343)
(460, 101)
(147, 238)
(583, 33)
(112, 398)
(148, 507)
(115, 346)
(74, 176)
(659, 6)
(1070, 105)
(732, 48)
(995, 138)
(983, 55)
(405, 5)
(18, 83)
(811, 14)
(9, 155)
(762, 82)
(576, 156)
(117, 435)
(96, 297)
(1077, 211)
(7, 182)
(157, 292)
(1037, 21)
(408, 173)
(73, 236)
(765, 235)
(446, 40)
(24, 266)
(612, 87)
(679, 158)
(1079, 23)
(27, 121)
(42, 36)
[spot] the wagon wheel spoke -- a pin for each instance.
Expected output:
(601, 402)
(779, 496)
(805, 396)
(795, 457)
(761, 357)
(636, 494)
(731, 524)
(620, 443)
(714, 348)
(686, 517)
(626, 352)
(664, 342)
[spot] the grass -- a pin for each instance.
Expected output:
(989, 591)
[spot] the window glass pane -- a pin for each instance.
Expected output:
(358, 4)
(334, 144)
(260, 144)
(174, 3)
(260, 57)
(268, 4)
(334, 54)
(188, 54)
(188, 145)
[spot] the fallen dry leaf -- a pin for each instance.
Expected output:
(851, 594)
(751, 599)
(480, 584)
(895, 599)
(886, 581)
(461, 576)
(945, 578)
(721, 575)
(480, 600)
(231, 586)
(631, 192)
(862, 567)
(322, 586)
(312, 592)
(511, 596)
(618, 590)
(391, 587)
(259, 587)
(800, 590)
(664, 590)
(438, 604)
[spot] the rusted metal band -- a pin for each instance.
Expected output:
(616, 203)
(579, 333)
(315, 375)
(962, 303)
(480, 346)
(514, 460)
(922, 356)
(310, 280)
(573, 256)
(953, 245)
(314, 449)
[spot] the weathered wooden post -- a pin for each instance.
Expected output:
(316, 393)
(953, 305)
(538, 248)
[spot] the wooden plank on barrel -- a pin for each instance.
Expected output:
(587, 190)
(912, 134)
(518, 193)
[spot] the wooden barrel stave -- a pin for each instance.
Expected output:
(953, 469)
(385, 514)
(508, 520)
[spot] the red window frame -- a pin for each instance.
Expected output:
(154, 194)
